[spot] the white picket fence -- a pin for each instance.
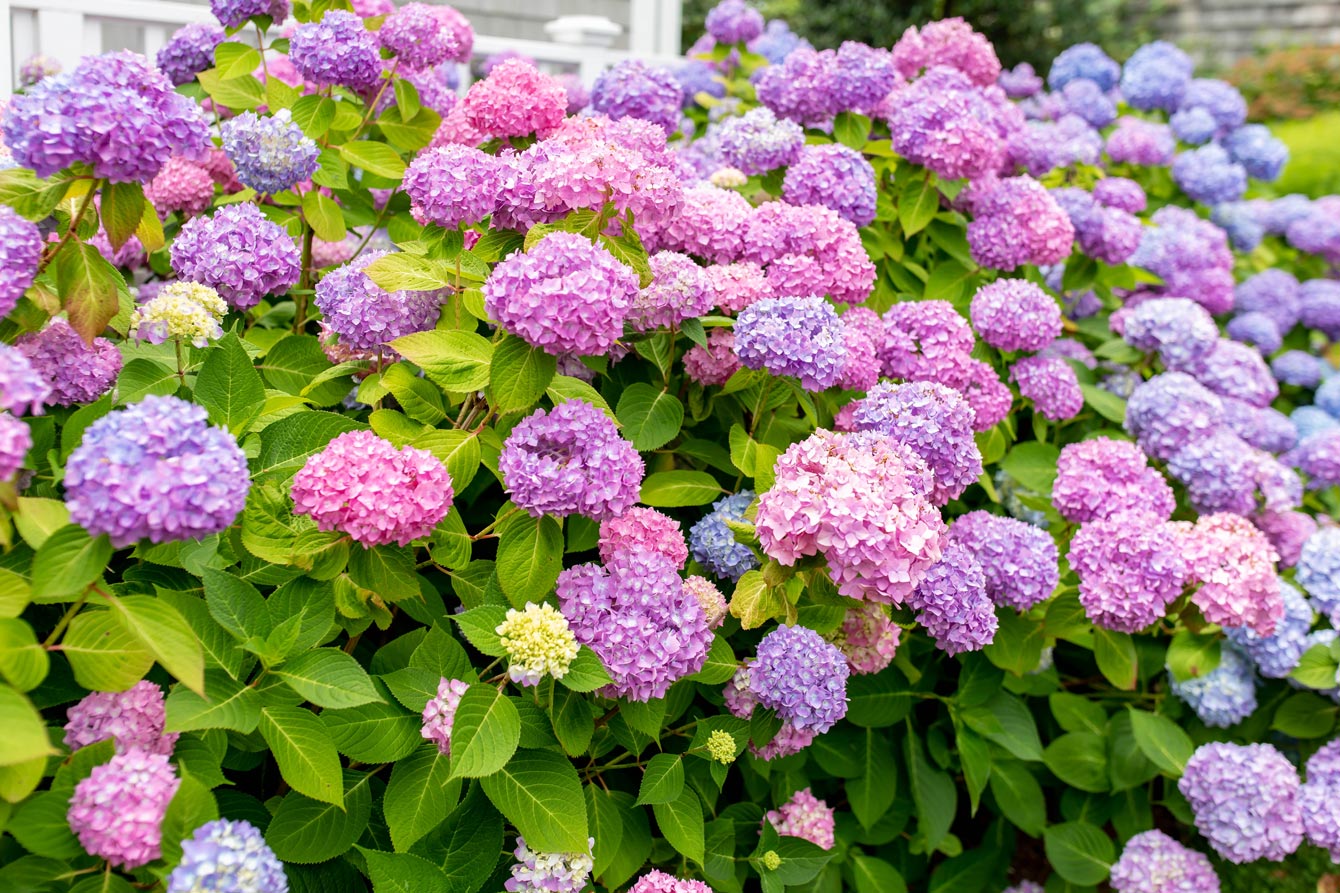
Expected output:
(70, 29)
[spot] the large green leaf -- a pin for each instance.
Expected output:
(373, 733)
(530, 556)
(932, 792)
(1019, 796)
(1080, 852)
(681, 824)
(419, 795)
(90, 288)
(375, 158)
(485, 732)
(403, 873)
(166, 634)
(329, 678)
(1080, 760)
(519, 374)
(1115, 653)
(229, 386)
(662, 779)
(1163, 741)
(453, 359)
(67, 563)
(23, 661)
(227, 704)
(306, 756)
(671, 489)
(288, 443)
(872, 792)
(305, 831)
(103, 654)
(236, 605)
(651, 416)
(466, 846)
(539, 793)
(25, 736)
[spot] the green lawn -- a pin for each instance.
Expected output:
(1314, 164)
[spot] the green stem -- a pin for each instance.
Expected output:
(65, 620)
(376, 100)
(74, 223)
(496, 522)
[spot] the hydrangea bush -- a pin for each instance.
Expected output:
(828, 469)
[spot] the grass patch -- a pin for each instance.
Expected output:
(1314, 159)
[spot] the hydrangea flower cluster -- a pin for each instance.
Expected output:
(15, 441)
(239, 253)
(451, 185)
(634, 89)
(187, 311)
(804, 816)
(660, 882)
(189, 51)
(714, 544)
(636, 614)
(679, 290)
(117, 811)
(952, 604)
(517, 100)
(809, 250)
(1245, 800)
(1051, 383)
(367, 316)
(1098, 478)
(1018, 560)
(271, 153)
(133, 719)
(792, 336)
(549, 872)
(20, 251)
(76, 371)
(363, 486)
(867, 637)
(1017, 221)
(439, 714)
(1277, 654)
(336, 50)
(1318, 569)
(1014, 314)
(570, 460)
(1235, 565)
(643, 529)
(1130, 568)
(539, 642)
(931, 420)
(419, 37)
(1152, 862)
(228, 857)
(802, 677)
(758, 141)
(1223, 697)
(156, 470)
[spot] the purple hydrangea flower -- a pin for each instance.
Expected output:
(802, 677)
(570, 460)
(1209, 175)
(679, 290)
(777, 42)
(23, 389)
(758, 141)
(67, 119)
(1220, 99)
(1152, 862)
(1098, 478)
(792, 336)
(1120, 193)
(952, 604)
(419, 37)
(336, 50)
(1318, 232)
(1140, 142)
(1018, 559)
(1240, 223)
(1156, 77)
(1017, 221)
(1130, 569)
(1083, 61)
(942, 123)
(934, 422)
(117, 811)
(1277, 655)
(156, 470)
(133, 719)
(733, 21)
(1192, 257)
(1299, 368)
(1194, 126)
(1014, 314)
(227, 857)
(1180, 330)
(802, 87)
(549, 872)
(15, 441)
(634, 89)
(1258, 150)
(1245, 800)
(836, 177)
(950, 42)
(20, 253)
(1223, 697)
(695, 76)
(239, 253)
(232, 13)
(190, 51)
(1319, 306)
(863, 75)
(926, 341)
(1020, 82)
(1087, 100)
(367, 316)
(1265, 428)
(1327, 397)
(713, 543)
(565, 295)
(1106, 234)
(270, 153)
(450, 185)
(635, 613)
(1171, 410)
(1274, 292)
(1232, 369)
(1051, 383)
(1320, 806)
(1256, 329)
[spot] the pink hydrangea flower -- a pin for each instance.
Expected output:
(134, 719)
(117, 812)
(804, 816)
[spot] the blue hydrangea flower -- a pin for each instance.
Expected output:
(1318, 570)
(1209, 175)
(271, 153)
(1258, 150)
(1277, 655)
(227, 857)
(1298, 368)
(1156, 76)
(1194, 126)
(1226, 695)
(1240, 221)
(714, 545)
(1083, 61)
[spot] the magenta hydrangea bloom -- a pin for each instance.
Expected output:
(679, 290)
(714, 364)
(941, 123)
(809, 250)
(451, 185)
(758, 141)
(926, 341)
(363, 486)
(117, 811)
(646, 530)
(660, 882)
(1245, 800)
(570, 460)
(933, 421)
(181, 185)
(952, 604)
(792, 336)
(65, 120)
(439, 714)
(564, 295)
(189, 51)
(950, 42)
(1152, 862)
(15, 441)
(862, 335)
(1051, 383)
(517, 100)
(867, 637)
(1130, 569)
(367, 316)
(860, 500)
(804, 816)
(1014, 314)
(1017, 221)
(227, 857)
(238, 253)
(156, 470)
(736, 286)
(634, 89)
(1098, 478)
(1018, 559)
(418, 37)
(1287, 532)
(134, 719)
(802, 677)
(836, 177)
(989, 397)
(1121, 193)
(23, 389)
(20, 252)
(1235, 565)
(336, 50)
(710, 224)
(636, 614)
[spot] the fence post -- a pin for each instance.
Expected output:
(6, 48)
(61, 28)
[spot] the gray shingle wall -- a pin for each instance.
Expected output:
(1219, 32)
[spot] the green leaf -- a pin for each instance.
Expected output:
(1018, 644)
(519, 374)
(386, 570)
(467, 844)
(873, 791)
(878, 700)
(403, 873)
(328, 677)
(1303, 715)
(607, 825)
(409, 132)
(681, 824)
(1033, 465)
(229, 385)
(1163, 741)
(227, 704)
(166, 634)
(23, 661)
(585, 673)
(1080, 852)
(33, 198)
(1317, 668)
(458, 450)
(1115, 653)
(673, 489)
(485, 733)
(530, 556)
(1191, 655)
(1080, 760)
(918, 204)
(373, 733)
(754, 602)
(1105, 403)
(1019, 796)
(307, 759)
(122, 205)
(480, 627)
(67, 562)
(233, 60)
(141, 377)
(932, 792)
(419, 796)
(40, 826)
(851, 129)
(375, 158)
(564, 388)
(287, 444)
(574, 726)
(662, 779)
(1076, 713)
(875, 875)
(974, 754)
(453, 359)
(89, 286)
(406, 98)
(323, 215)
(1018, 730)
(720, 665)
(25, 736)
(236, 605)
(539, 793)
(103, 655)
(949, 281)
(651, 417)
(192, 806)
(314, 115)
(305, 831)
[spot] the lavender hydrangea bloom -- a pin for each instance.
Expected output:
(733, 21)
(1277, 655)
(1106, 234)
(270, 153)
(1223, 697)
(133, 719)
(713, 543)
(777, 42)
(367, 316)
(336, 50)
(239, 253)
(418, 37)
(22, 388)
(1180, 330)
(1318, 569)
(227, 857)
(15, 441)
(1152, 862)
(758, 141)
(792, 336)
(1298, 368)
(453, 185)
(1209, 175)
(1265, 428)
(77, 371)
(156, 470)
(1051, 383)
(549, 872)
(1275, 293)
(802, 87)
(695, 76)
(1014, 314)
(20, 252)
(1017, 221)
(1318, 458)
(1320, 806)
(1100, 477)
(1194, 126)
(1258, 150)
(565, 295)
(1156, 76)
(1319, 306)
(189, 51)
(1232, 369)
(570, 460)
(1309, 420)
(863, 75)
(836, 177)
(1083, 61)
(1256, 329)
(634, 89)
(679, 290)
(65, 120)
(1020, 82)
(952, 604)
(1140, 142)
(802, 677)
(1130, 569)
(1327, 397)
(1087, 100)
(934, 422)
(232, 13)
(1171, 410)
(1019, 560)
(1120, 193)
(1245, 800)
(1220, 99)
